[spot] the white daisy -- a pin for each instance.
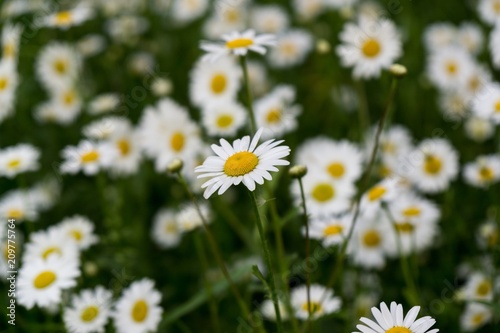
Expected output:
(367, 247)
(165, 230)
(89, 311)
(58, 65)
(79, 230)
(307, 10)
(479, 129)
(489, 11)
(162, 86)
(91, 45)
(488, 234)
(322, 302)
(369, 47)
(439, 35)
(67, 103)
(189, 219)
(475, 316)
(268, 311)
(454, 105)
(292, 48)
(244, 161)
(223, 119)
(104, 103)
(226, 18)
(18, 206)
(470, 37)
(126, 141)
(258, 78)
(494, 46)
(45, 193)
(238, 44)
(383, 192)
(104, 128)
(449, 68)
(331, 230)
(49, 243)
(138, 309)
(478, 287)
(8, 85)
(487, 105)
(126, 28)
(183, 11)
(11, 38)
(41, 282)
(271, 19)
(483, 172)
(18, 159)
(394, 321)
(67, 18)
(87, 157)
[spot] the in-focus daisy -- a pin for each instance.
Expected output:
(483, 172)
(238, 44)
(292, 48)
(271, 19)
(58, 65)
(244, 161)
(41, 282)
(18, 206)
(189, 219)
(331, 230)
(475, 316)
(89, 311)
(322, 302)
(165, 230)
(487, 104)
(138, 309)
(104, 103)
(223, 119)
(88, 157)
(449, 68)
(369, 46)
(18, 159)
(67, 18)
(394, 321)
(79, 230)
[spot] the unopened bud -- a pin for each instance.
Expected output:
(323, 46)
(297, 171)
(398, 70)
(175, 166)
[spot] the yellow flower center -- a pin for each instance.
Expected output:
(232, 15)
(218, 83)
(451, 67)
(76, 234)
(474, 83)
(371, 238)
(496, 7)
(14, 164)
(274, 116)
(50, 250)
(371, 48)
(239, 42)
(44, 279)
(240, 164)
(398, 329)
(69, 97)
(376, 193)
(224, 121)
(484, 288)
(323, 192)
(123, 147)
(63, 18)
(171, 228)
(288, 49)
(493, 238)
(15, 213)
(140, 311)
(405, 227)
(486, 174)
(89, 313)
(432, 165)
(477, 319)
(411, 211)
(90, 157)
(333, 230)
(177, 141)
(336, 170)
(384, 171)
(61, 66)
(9, 50)
(497, 106)
(388, 147)
(3, 83)
(316, 307)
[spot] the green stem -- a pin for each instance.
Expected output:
(363, 113)
(267, 258)
(308, 253)
(243, 63)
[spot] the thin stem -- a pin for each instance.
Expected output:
(363, 113)
(243, 63)
(267, 258)
(308, 252)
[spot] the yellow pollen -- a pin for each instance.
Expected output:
(398, 329)
(288, 49)
(484, 288)
(274, 116)
(376, 192)
(9, 50)
(493, 238)
(478, 318)
(76, 234)
(486, 174)
(171, 228)
(323, 192)
(239, 42)
(332, 230)
(336, 170)
(496, 7)
(240, 164)
(90, 157)
(411, 211)
(15, 214)
(224, 121)
(405, 227)
(61, 66)
(69, 97)
(139, 311)
(371, 238)
(177, 141)
(474, 83)
(3, 83)
(218, 83)
(388, 147)
(315, 307)
(123, 147)
(89, 313)
(497, 106)
(51, 250)
(232, 15)
(451, 67)
(63, 18)
(14, 164)
(371, 48)
(44, 279)
(432, 165)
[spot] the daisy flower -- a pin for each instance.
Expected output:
(186, 11)
(18, 206)
(165, 230)
(384, 191)
(238, 44)
(449, 68)
(322, 302)
(439, 35)
(479, 129)
(475, 316)
(292, 48)
(244, 161)
(188, 218)
(79, 230)
(369, 46)
(226, 18)
(489, 11)
(331, 230)
(44, 194)
(487, 105)
(18, 159)
(89, 311)
(8, 85)
(67, 18)
(271, 19)
(470, 37)
(53, 242)
(454, 105)
(41, 282)
(91, 45)
(269, 313)
(11, 38)
(369, 241)
(161, 86)
(126, 28)
(494, 46)
(483, 172)
(223, 119)
(138, 309)
(488, 235)
(478, 287)
(104, 103)
(394, 321)
(104, 128)
(87, 157)
(58, 65)
(307, 10)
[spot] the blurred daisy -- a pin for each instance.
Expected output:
(454, 105)
(104, 128)
(91, 45)
(489, 11)
(369, 47)
(487, 105)
(58, 65)
(183, 11)
(189, 219)
(368, 245)
(449, 68)
(52, 242)
(165, 230)
(226, 18)
(89, 311)
(330, 230)
(271, 19)
(307, 10)
(383, 192)
(470, 37)
(161, 86)
(126, 28)
(476, 80)
(138, 309)
(475, 316)
(478, 287)
(395, 141)
(479, 129)
(488, 234)
(393, 320)
(44, 194)
(79, 230)
(238, 44)
(244, 161)
(8, 85)
(67, 18)
(223, 119)
(269, 313)
(483, 172)
(104, 103)
(87, 157)
(126, 141)
(439, 35)
(494, 46)
(18, 159)
(18, 206)
(322, 302)
(11, 38)
(41, 282)
(433, 166)
(292, 48)
(258, 78)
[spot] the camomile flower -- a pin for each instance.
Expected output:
(218, 81)
(52, 242)
(68, 104)
(488, 235)
(67, 18)
(440, 35)
(343, 4)
(104, 103)
(487, 105)
(45, 193)
(494, 46)
(11, 38)
(479, 129)
(258, 78)
(322, 302)
(449, 68)
(243, 162)
(483, 172)
(138, 309)
(226, 18)
(126, 28)
(126, 141)
(454, 105)
(291, 49)
(433, 165)
(41, 282)
(470, 37)
(307, 10)
(369, 241)
(238, 44)
(345, 97)
(381, 193)
(58, 65)
(369, 46)
(478, 287)
(394, 321)
(141, 63)
(18, 206)
(270, 19)
(189, 219)
(79, 230)
(89, 311)
(475, 316)
(18, 159)
(268, 311)
(87, 157)
(276, 112)
(162, 86)
(8, 85)
(477, 78)
(165, 231)
(104, 128)
(91, 45)
(183, 11)
(394, 142)
(489, 11)
(223, 119)
(330, 230)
